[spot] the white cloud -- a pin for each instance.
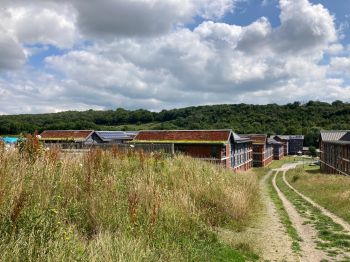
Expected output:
(11, 53)
(340, 66)
(144, 17)
(174, 66)
(40, 22)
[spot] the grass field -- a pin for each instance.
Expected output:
(285, 160)
(330, 191)
(115, 206)
(330, 236)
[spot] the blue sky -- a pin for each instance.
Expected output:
(156, 54)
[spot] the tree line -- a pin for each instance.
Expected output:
(293, 118)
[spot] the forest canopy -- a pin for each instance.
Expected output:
(293, 118)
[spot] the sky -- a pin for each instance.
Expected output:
(161, 54)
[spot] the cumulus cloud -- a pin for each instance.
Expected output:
(41, 24)
(175, 66)
(11, 53)
(145, 17)
(340, 65)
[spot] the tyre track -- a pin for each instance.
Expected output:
(310, 253)
(335, 218)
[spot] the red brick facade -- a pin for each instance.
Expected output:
(218, 146)
(262, 150)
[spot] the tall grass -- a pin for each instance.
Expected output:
(118, 206)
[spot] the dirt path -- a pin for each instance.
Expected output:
(308, 234)
(324, 211)
(268, 234)
(273, 242)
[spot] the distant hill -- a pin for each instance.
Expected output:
(293, 118)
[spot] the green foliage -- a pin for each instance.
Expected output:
(312, 150)
(295, 118)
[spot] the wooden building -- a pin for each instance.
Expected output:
(278, 149)
(77, 137)
(262, 149)
(219, 146)
(335, 152)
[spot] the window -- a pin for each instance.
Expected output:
(214, 151)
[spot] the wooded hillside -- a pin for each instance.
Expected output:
(295, 118)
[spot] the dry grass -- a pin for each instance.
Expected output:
(329, 191)
(118, 206)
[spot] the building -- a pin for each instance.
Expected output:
(116, 137)
(278, 149)
(285, 141)
(296, 143)
(335, 152)
(78, 137)
(262, 149)
(293, 144)
(219, 146)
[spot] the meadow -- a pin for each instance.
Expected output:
(329, 191)
(119, 206)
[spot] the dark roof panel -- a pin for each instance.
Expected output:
(107, 136)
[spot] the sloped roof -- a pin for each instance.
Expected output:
(184, 136)
(69, 135)
(107, 136)
(256, 138)
(282, 137)
(333, 135)
(289, 137)
(273, 141)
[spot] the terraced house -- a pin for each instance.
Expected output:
(335, 152)
(219, 146)
(262, 149)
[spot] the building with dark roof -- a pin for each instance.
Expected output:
(262, 149)
(285, 141)
(219, 146)
(82, 137)
(293, 144)
(335, 151)
(278, 149)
